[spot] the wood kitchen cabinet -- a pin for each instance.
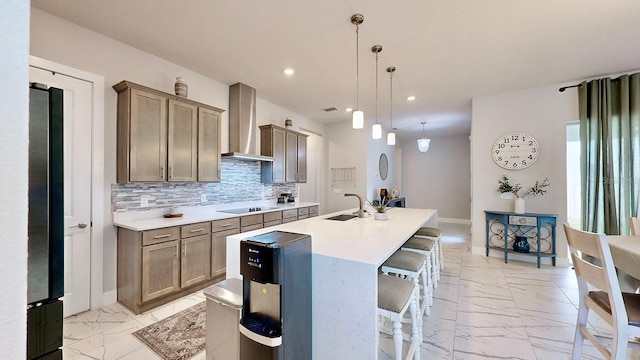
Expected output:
(289, 151)
(163, 137)
(142, 135)
(220, 230)
(209, 145)
(161, 265)
(195, 259)
(182, 151)
(160, 270)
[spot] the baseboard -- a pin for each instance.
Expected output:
(109, 298)
(455, 221)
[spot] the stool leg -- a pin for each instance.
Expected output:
(429, 279)
(434, 268)
(437, 257)
(416, 297)
(425, 292)
(397, 339)
(416, 325)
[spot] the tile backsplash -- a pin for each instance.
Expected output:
(240, 181)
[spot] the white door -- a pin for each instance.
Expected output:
(77, 186)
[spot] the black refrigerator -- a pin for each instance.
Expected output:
(45, 268)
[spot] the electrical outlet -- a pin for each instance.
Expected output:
(144, 201)
(337, 191)
(203, 198)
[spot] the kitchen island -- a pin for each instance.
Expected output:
(346, 257)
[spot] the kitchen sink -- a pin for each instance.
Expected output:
(343, 217)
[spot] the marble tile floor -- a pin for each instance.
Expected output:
(483, 309)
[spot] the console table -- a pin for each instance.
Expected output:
(539, 229)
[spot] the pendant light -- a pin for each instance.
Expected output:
(376, 130)
(391, 136)
(358, 115)
(423, 143)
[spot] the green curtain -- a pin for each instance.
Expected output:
(610, 139)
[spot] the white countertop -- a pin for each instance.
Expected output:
(154, 219)
(364, 240)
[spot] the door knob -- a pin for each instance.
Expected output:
(82, 225)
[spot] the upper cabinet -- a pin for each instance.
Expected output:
(289, 151)
(208, 151)
(163, 137)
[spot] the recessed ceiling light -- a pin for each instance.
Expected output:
(348, 109)
(289, 71)
(411, 98)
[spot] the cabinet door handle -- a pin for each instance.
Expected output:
(170, 172)
(226, 225)
(196, 230)
(184, 250)
(177, 251)
(162, 236)
(162, 172)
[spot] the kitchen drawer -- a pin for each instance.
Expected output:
(290, 213)
(289, 219)
(272, 216)
(303, 212)
(251, 227)
(157, 236)
(272, 223)
(195, 229)
(313, 211)
(226, 224)
(302, 217)
(251, 220)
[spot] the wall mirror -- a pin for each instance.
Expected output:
(383, 166)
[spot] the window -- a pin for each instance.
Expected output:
(574, 188)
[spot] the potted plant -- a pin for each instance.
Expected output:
(380, 209)
(505, 186)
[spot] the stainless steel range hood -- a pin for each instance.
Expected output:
(242, 124)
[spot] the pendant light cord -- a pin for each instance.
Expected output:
(357, 68)
(376, 87)
(391, 100)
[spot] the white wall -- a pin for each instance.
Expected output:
(14, 107)
(345, 148)
(440, 178)
(60, 41)
(374, 149)
(543, 113)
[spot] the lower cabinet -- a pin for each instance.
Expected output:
(161, 265)
(160, 270)
(195, 263)
(220, 230)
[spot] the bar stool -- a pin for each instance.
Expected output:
(412, 265)
(395, 295)
(436, 234)
(425, 246)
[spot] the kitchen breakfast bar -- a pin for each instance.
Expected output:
(346, 256)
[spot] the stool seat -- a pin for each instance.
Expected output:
(428, 231)
(419, 243)
(405, 260)
(394, 293)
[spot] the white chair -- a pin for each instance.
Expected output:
(395, 295)
(427, 247)
(618, 309)
(435, 234)
(413, 266)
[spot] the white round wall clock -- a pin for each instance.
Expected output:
(515, 151)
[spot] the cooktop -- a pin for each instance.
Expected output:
(247, 210)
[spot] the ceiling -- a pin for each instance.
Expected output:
(446, 51)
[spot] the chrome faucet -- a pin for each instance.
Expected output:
(360, 211)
